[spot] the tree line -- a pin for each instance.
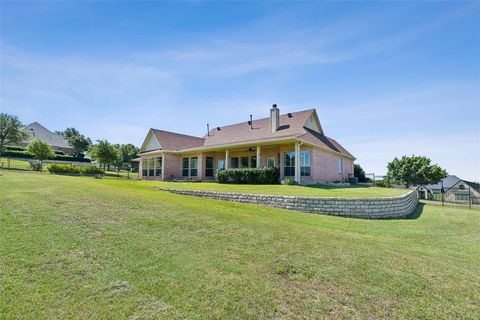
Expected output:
(120, 156)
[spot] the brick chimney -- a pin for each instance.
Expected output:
(274, 118)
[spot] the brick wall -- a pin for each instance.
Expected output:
(367, 208)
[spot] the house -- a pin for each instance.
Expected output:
(293, 142)
(456, 190)
(57, 141)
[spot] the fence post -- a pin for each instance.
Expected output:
(9, 162)
(469, 198)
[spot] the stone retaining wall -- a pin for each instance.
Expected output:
(368, 208)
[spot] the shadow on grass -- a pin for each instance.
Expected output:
(415, 214)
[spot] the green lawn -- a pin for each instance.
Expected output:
(314, 190)
(85, 248)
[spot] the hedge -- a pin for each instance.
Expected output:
(249, 176)
(15, 148)
(26, 155)
(60, 168)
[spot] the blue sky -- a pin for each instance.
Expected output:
(387, 79)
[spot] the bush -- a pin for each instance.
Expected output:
(381, 184)
(289, 181)
(36, 165)
(63, 168)
(249, 176)
(92, 170)
(15, 148)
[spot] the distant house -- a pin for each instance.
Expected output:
(294, 142)
(456, 190)
(57, 141)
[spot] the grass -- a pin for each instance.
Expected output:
(84, 248)
(16, 164)
(313, 190)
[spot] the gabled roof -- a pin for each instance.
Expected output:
(176, 141)
(36, 130)
(295, 126)
(449, 182)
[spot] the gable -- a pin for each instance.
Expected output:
(150, 143)
(313, 123)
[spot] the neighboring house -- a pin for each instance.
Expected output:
(293, 142)
(57, 141)
(456, 190)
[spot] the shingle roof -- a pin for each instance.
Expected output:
(292, 126)
(176, 141)
(36, 130)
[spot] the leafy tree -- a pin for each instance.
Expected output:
(10, 130)
(126, 153)
(78, 141)
(414, 170)
(359, 173)
(40, 150)
(80, 144)
(104, 152)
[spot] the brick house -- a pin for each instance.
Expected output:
(293, 142)
(57, 141)
(456, 190)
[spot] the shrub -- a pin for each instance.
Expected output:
(63, 168)
(92, 170)
(289, 181)
(381, 183)
(58, 157)
(36, 165)
(15, 148)
(249, 176)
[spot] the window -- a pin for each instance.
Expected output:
(340, 166)
(221, 164)
(305, 163)
(209, 167)
(193, 166)
(151, 167)
(158, 170)
(462, 196)
(185, 162)
(271, 162)
(253, 162)
(289, 164)
(244, 162)
(144, 167)
(234, 163)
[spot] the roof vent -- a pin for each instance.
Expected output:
(290, 115)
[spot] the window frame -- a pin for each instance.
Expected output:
(305, 168)
(193, 170)
(243, 164)
(185, 169)
(158, 163)
(274, 162)
(289, 166)
(340, 166)
(209, 170)
(237, 163)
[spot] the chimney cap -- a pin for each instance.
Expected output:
(274, 105)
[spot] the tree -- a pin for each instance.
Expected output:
(125, 154)
(414, 170)
(40, 150)
(104, 152)
(80, 144)
(70, 132)
(10, 130)
(359, 173)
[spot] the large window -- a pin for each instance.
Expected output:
(253, 162)
(234, 163)
(462, 196)
(151, 167)
(209, 167)
(305, 163)
(244, 162)
(185, 163)
(158, 170)
(340, 166)
(221, 164)
(271, 162)
(289, 164)
(193, 166)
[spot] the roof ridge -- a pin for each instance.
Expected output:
(179, 134)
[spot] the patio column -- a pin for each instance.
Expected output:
(226, 159)
(258, 157)
(163, 166)
(140, 168)
(297, 162)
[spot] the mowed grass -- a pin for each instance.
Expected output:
(294, 190)
(85, 248)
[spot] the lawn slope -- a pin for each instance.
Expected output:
(84, 248)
